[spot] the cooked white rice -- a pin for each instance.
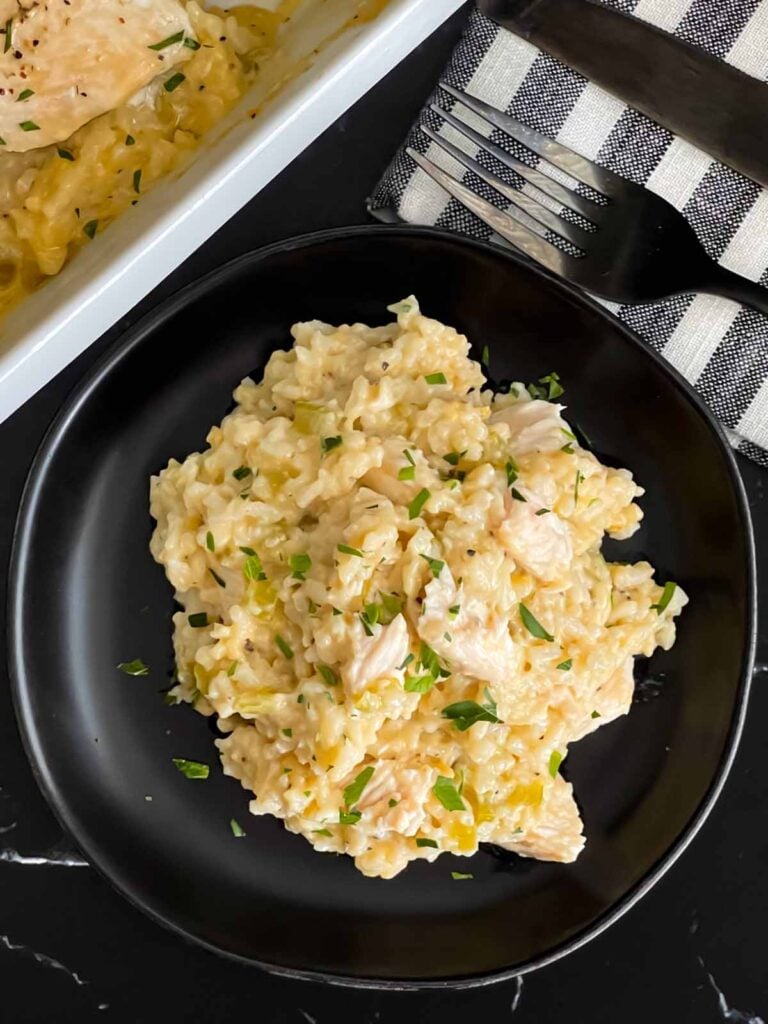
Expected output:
(370, 540)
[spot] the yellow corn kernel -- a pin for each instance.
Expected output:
(202, 677)
(465, 836)
(528, 794)
(257, 702)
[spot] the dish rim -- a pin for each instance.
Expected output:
(28, 507)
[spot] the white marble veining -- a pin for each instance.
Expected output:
(51, 859)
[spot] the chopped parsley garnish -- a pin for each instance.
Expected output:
(174, 82)
(391, 606)
(192, 769)
(198, 619)
(210, 543)
(565, 666)
(567, 448)
(447, 794)
(4, 143)
(175, 38)
(336, 611)
(465, 713)
(595, 714)
(549, 387)
(393, 802)
(252, 567)
(666, 597)
(241, 472)
(408, 456)
(428, 658)
(299, 565)
(137, 181)
(129, 140)
(237, 828)
(406, 473)
(543, 511)
(232, 668)
(517, 495)
(435, 565)
(511, 470)
(571, 436)
(453, 458)
(191, 44)
(8, 35)
(428, 842)
(301, 699)
(24, 95)
(349, 817)
(485, 356)
(354, 790)
(579, 479)
(454, 610)
(407, 661)
(533, 625)
(419, 684)
(435, 378)
(322, 832)
(283, 646)
(555, 759)
(90, 228)
(345, 549)
(29, 126)
(329, 443)
(287, 732)
(134, 668)
(417, 504)
(216, 576)
(329, 676)
(460, 876)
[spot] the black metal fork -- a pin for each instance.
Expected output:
(623, 242)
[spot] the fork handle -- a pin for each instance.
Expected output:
(733, 286)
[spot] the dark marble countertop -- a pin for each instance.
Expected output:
(72, 950)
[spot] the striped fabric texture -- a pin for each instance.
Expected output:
(719, 346)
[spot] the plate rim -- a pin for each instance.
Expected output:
(46, 451)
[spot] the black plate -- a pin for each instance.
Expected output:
(86, 595)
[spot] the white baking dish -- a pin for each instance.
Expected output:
(108, 277)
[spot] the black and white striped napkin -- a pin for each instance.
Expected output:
(719, 346)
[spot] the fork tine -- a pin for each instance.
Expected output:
(552, 188)
(554, 152)
(545, 217)
(508, 225)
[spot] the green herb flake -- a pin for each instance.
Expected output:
(429, 843)
(567, 448)
(349, 817)
(241, 472)
(4, 143)
(301, 699)
(418, 503)
(555, 759)
(137, 181)
(232, 668)
(29, 126)
(543, 511)
(435, 565)
(252, 567)
(406, 473)
(391, 607)
(485, 356)
(595, 714)
(447, 794)
(336, 611)
(345, 549)
(579, 480)
(548, 388)
(329, 676)
(461, 876)
(287, 732)
(8, 35)
(435, 378)
(354, 790)
(198, 619)
(299, 565)
(134, 668)
(210, 543)
(465, 713)
(565, 666)
(191, 44)
(666, 596)
(129, 140)
(517, 495)
(283, 646)
(219, 580)
(453, 458)
(24, 95)
(408, 659)
(393, 802)
(419, 684)
(191, 769)
(533, 625)
(511, 471)
(175, 38)
(90, 228)
(569, 434)
(174, 82)
(322, 832)
(329, 443)
(237, 829)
